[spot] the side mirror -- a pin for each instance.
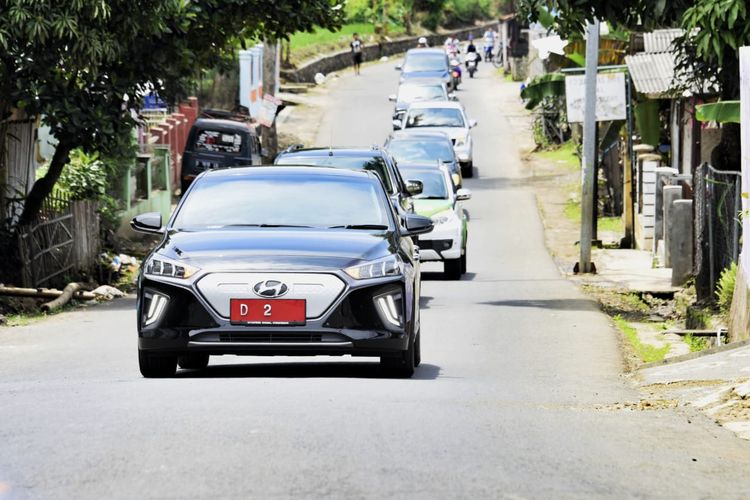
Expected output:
(414, 187)
(473, 123)
(463, 194)
(397, 125)
(452, 96)
(392, 97)
(399, 66)
(147, 223)
(416, 224)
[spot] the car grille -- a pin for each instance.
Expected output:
(438, 245)
(278, 337)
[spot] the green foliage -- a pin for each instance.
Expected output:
(85, 177)
(720, 112)
(461, 12)
(725, 288)
(546, 85)
(696, 344)
(646, 352)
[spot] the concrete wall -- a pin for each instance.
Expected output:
(343, 59)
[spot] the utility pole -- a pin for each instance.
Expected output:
(589, 148)
(271, 60)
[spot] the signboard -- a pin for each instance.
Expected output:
(268, 110)
(611, 102)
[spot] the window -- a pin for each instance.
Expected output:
(425, 62)
(435, 117)
(433, 181)
(372, 163)
(218, 142)
(414, 93)
(418, 150)
(322, 201)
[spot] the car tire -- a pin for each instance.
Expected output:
(193, 361)
(463, 262)
(467, 169)
(156, 366)
(402, 365)
(452, 269)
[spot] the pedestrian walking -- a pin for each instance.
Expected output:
(356, 46)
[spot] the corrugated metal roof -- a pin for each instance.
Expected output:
(660, 40)
(652, 74)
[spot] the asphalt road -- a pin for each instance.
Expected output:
(513, 398)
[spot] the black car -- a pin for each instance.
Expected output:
(219, 143)
(373, 159)
(280, 261)
(425, 147)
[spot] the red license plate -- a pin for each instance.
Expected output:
(267, 312)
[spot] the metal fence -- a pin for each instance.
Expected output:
(718, 228)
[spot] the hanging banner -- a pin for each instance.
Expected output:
(611, 101)
(268, 110)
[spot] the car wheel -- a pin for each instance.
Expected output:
(467, 169)
(193, 361)
(156, 366)
(452, 269)
(463, 262)
(401, 366)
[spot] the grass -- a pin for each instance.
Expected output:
(307, 45)
(696, 343)
(564, 154)
(611, 224)
(23, 319)
(647, 353)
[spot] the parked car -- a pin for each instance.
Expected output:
(416, 90)
(218, 143)
(280, 261)
(447, 117)
(374, 159)
(447, 241)
(415, 145)
(426, 63)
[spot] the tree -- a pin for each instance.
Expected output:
(706, 54)
(84, 65)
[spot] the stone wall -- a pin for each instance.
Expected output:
(371, 52)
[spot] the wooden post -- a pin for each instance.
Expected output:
(745, 135)
(270, 86)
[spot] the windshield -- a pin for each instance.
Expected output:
(425, 62)
(416, 150)
(372, 163)
(281, 201)
(435, 187)
(435, 117)
(413, 93)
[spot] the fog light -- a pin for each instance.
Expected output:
(389, 308)
(157, 303)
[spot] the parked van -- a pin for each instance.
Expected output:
(219, 139)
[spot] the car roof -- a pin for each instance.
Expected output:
(411, 134)
(425, 50)
(289, 171)
(436, 104)
(217, 123)
(350, 152)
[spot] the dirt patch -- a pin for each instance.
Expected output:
(642, 405)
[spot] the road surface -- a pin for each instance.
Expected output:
(512, 400)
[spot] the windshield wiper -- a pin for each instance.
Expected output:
(360, 226)
(430, 198)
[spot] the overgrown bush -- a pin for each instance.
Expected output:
(725, 288)
(462, 12)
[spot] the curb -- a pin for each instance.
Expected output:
(695, 355)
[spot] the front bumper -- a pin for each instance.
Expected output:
(464, 153)
(443, 243)
(353, 323)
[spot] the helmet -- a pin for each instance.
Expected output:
(422, 40)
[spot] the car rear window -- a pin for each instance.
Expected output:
(372, 163)
(218, 141)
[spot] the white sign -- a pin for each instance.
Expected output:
(268, 110)
(611, 103)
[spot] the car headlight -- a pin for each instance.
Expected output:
(162, 266)
(442, 217)
(388, 266)
(462, 141)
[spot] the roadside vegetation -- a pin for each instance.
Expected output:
(647, 353)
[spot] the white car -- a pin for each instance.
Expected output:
(438, 201)
(448, 117)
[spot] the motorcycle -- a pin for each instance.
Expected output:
(471, 63)
(488, 52)
(455, 73)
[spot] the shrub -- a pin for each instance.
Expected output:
(725, 288)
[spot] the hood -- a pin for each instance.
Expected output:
(428, 208)
(277, 248)
(425, 74)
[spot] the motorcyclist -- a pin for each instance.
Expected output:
(471, 48)
(422, 43)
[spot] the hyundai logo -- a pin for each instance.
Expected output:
(270, 289)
